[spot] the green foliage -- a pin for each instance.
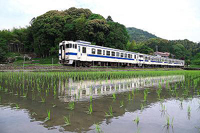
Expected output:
(67, 120)
(96, 16)
(196, 59)
(139, 35)
(117, 37)
(5, 36)
(75, 24)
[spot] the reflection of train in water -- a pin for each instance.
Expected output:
(81, 53)
(72, 91)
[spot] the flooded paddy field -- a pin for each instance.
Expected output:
(109, 102)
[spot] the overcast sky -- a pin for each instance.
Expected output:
(168, 19)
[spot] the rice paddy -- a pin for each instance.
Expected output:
(117, 101)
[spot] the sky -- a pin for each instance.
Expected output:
(168, 19)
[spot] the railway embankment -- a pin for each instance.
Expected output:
(58, 67)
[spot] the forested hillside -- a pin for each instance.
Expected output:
(139, 35)
(44, 33)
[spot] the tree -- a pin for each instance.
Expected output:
(97, 30)
(3, 49)
(117, 37)
(109, 18)
(131, 46)
(196, 59)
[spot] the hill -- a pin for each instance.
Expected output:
(139, 35)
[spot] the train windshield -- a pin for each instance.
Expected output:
(69, 45)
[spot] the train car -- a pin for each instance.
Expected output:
(82, 53)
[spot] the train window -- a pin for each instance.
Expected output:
(117, 54)
(79, 48)
(135, 56)
(129, 56)
(93, 51)
(125, 55)
(122, 54)
(83, 49)
(141, 56)
(107, 52)
(113, 53)
(103, 52)
(63, 47)
(99, 51)
(75, 46)
(70, 45)
(146, 58)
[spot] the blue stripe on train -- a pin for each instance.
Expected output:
(70, 53)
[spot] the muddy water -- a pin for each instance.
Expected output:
(24, 105)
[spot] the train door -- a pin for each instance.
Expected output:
(79, 52)
(62, 52)
(84, 53)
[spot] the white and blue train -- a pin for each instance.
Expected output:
(82, 53)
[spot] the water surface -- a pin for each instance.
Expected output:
(24, 104)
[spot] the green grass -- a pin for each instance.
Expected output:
(47, 60)
(194, 66)
(19, 60)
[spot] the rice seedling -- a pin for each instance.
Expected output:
(189, 110)
(158, 91)
(43, 99)
(163, 108)
(168, 123)
(67, 120)
(114, 96)
(90, 110)
(133, 92)
(109, 113)
(16, 106)
(91, 99)
(137, 120)
(71, 105)
(97, 127)
(48, 116)
(121, 104)
(54, 105)
(145, 95)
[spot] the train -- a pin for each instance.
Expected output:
(83, 53)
